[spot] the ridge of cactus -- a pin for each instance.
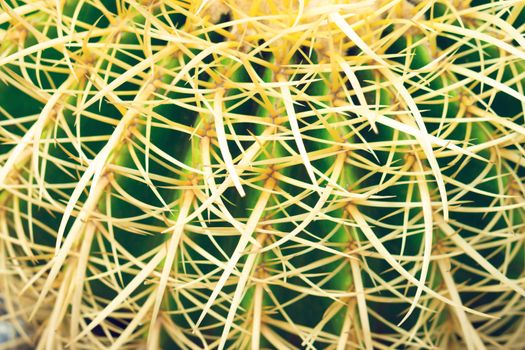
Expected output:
(230, 174)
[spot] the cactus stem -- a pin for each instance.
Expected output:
(241, 245)
(186, 202)
(221, 138)
(361, 303)
(475, 255)
(292, 119)
(470, 335)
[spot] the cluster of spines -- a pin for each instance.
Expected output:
(143, 125)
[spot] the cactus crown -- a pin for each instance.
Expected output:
(263, 174)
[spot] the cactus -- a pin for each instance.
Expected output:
(263, 174)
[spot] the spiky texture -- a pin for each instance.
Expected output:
(263, 174)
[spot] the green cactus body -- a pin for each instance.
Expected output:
(266, 175)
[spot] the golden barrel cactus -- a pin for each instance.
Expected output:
(230, 174)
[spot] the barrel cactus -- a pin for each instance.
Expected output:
(263, 174)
